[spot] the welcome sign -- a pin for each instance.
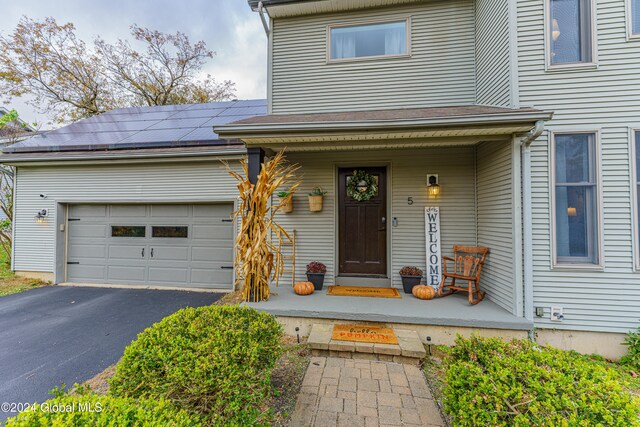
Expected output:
(434, 258)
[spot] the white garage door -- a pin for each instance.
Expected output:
(170, 245)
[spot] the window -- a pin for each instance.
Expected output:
(163, 231)
(635, 17)
(570, 31)
(576, 222)
(371, 40)
(128, 231)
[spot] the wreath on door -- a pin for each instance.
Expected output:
(361, 186)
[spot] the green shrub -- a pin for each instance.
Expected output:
(214, 360)
(632, 341)
(490, 382)
(103, 411)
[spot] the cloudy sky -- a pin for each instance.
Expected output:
(228, 27)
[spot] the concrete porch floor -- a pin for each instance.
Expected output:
(453, 310)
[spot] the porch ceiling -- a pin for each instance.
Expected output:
(403, 128)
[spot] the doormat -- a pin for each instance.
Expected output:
(372, 334)
(362, 291)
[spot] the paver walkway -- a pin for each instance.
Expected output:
(353, 392)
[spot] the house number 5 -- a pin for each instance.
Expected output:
(409, 201)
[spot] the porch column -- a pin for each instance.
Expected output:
(255, 158)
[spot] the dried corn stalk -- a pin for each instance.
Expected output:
(258, 259)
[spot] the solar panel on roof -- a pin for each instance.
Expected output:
(145, 127)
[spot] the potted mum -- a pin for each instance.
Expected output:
(315, 274)
(411, 276)
(286, 201)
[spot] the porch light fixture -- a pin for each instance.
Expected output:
(40, 216)
(572, 211)
(433, 188)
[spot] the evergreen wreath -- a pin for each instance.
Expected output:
(358, 192)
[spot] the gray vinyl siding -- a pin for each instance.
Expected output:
(407, 170)
(605, 98)
(493, 71)
(440, 71)
(124, 183)
(495, 221)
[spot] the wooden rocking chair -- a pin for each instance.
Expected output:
(467, 265)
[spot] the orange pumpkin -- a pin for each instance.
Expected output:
(424, 292)
(303, 288)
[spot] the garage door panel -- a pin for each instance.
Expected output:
(125, 273)
(211, 254)
(88, 273)
(171, 253)
(212, 211)
(170, 211)
(125, 252)
(168, 275)
(213, 276)
(84, 230)
(188, 259)
(87, 251)
(203, 232)
(87, 211)
(128, 211)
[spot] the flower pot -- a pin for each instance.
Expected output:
(408, 282)
(315, 203)
(317, 279)
(286, 204)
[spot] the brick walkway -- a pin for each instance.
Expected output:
(353, 392)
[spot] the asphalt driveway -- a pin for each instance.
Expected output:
(55, 335)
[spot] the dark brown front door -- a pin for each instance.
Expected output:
(363, 227)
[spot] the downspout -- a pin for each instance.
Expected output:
(265, 24)
(525, 144)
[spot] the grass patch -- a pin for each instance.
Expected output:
(10, 283)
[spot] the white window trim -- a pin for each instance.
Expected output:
(599, 208)
(407, 19)
(629, 21)
(635, 215)
(574, 65)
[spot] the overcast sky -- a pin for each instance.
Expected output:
(229, 28)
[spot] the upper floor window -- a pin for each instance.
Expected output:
(570, 31)
(368, 40)
(576, 198)
(635, 17)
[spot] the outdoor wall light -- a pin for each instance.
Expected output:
(572, 211)
(433, 188)
(40, 216)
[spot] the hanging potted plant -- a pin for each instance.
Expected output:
(315, 199)
(411, 276)
(315, 274)
(286, 201)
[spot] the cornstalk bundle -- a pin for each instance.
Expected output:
(258, 242)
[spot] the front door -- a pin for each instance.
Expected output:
(362, 226)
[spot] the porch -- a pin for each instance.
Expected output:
(451, 311)
(475, 153)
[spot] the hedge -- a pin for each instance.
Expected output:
(215, 361)
(490, 382)
(103, 411)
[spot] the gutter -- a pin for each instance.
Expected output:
(525, 144)
(230, 131)
(88, 156)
